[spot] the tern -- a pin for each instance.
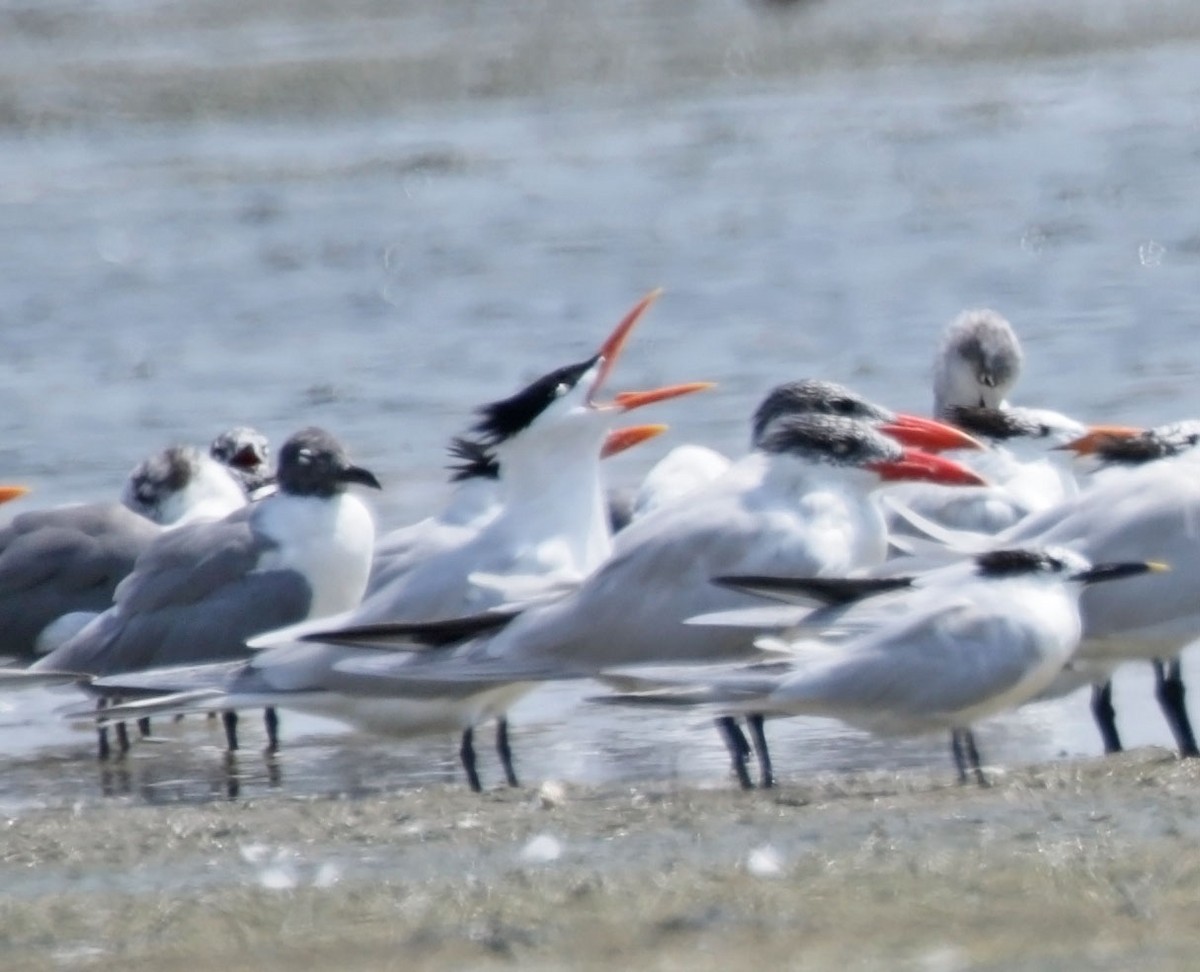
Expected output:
(199, 592)
(947, 657)
(1149, 507)
(548, 530)
(801, 497)
(799, 502)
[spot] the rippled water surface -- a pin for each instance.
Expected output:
(374, 216)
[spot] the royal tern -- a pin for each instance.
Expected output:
(689, 467)
(799, 502)
(941, 657)
(1149, 509)
(199, 592)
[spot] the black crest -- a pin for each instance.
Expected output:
(1010, 563)
(476, 461)
(503, 419)
(994, 423)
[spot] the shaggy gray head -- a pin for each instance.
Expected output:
(830, 439)
(977, 364)
(812, 396)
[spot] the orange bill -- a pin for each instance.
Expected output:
(611, 349)
(621, 439)
(12, 492)
(924, 467)
(928, 434)
(1098, 437)
(628, 401)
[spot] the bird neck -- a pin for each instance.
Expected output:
(554, 490)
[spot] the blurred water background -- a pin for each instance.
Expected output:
(375, 215)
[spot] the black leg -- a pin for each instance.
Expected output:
(505, 751)
(973, 759)
(466, 752)
(1168, 686)
(960, 757)
(1106, 717)
(759, 738)
(103, 751)
(739, 749)
(229, 719)
(143, 725)
(271, 721)
(122, 738)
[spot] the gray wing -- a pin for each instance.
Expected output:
(194, 596)
(920, 671)
(54, 562)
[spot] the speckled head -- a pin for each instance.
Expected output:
(162, 475)
(812, 396)
(246, 452)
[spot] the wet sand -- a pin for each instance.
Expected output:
(1084, 864)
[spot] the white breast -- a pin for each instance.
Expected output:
(329, 541)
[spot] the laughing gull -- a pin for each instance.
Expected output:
(59, 567)
(247, 453)
(199, 592)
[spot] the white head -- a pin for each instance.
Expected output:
(181, 484)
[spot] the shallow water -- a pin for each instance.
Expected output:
(375, 216)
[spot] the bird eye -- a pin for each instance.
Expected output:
(304, 457)
(562, 389)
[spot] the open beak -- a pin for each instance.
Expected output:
(628, 401)
(929, 434)
(246, 458)
(621, 439)
(1099, 437)
(1132, 568)
(923, 467)
(12, 492)
(611, 349)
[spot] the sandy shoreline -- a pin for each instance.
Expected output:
(1090, 864)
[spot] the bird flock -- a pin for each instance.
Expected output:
(901, 574)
